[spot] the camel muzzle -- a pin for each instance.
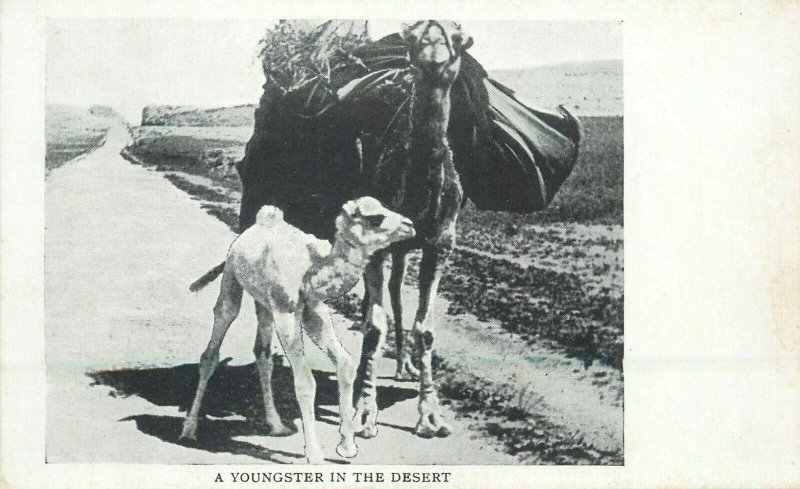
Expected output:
(407, 228)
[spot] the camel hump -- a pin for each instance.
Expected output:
(269, 216)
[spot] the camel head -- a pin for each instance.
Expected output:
(435, 48)
(366, 223)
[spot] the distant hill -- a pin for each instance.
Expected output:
(71, 130)
(61, 116)
(107, 113)
(189, 115)
(590, 87)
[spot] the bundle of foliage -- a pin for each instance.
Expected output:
(297, 56)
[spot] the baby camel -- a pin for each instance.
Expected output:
(290, 274)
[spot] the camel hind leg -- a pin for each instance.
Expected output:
(263, 354)
(225, 312)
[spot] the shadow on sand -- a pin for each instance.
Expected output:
(215, 436)
(232, 391)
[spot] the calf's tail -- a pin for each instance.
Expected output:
(209, 277)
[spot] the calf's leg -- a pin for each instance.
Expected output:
(225, 311)
(317, 323)
(263, 353)
(290, 333)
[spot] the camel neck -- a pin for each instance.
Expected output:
(337, 273)
(430, 116)
(431, 170)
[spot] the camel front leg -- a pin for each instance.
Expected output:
(430, 421)
(317, 323)
(225, 312)
(372, 345)
(263, 354)
(405, 368)
(290, 334)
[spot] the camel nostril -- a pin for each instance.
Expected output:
(437, 67)
(409, 227)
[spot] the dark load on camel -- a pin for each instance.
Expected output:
(329, 104)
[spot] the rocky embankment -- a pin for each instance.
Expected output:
(190, 115)
(194, 140)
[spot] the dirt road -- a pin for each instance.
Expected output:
(124, 335)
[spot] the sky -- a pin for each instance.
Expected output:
(129, 63)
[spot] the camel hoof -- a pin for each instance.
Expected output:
(366, 418)
(347, 449)
(272, 426)
(432, 425)
(406, 372)
(187, 440)
(189, 433)
(369, 431)
(424, 430)
(315, 460)
(402, 376)
(445, 430)
(280, 429)
(314, 455)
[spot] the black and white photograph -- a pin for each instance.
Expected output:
(334, 241)
(362, 244)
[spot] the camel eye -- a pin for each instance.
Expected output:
(375, 221)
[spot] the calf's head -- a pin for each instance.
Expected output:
(366, 223)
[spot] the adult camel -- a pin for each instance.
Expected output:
(308, 157)
(416, 176)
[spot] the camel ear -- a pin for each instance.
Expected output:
(462, 41)
(407, 32)
(350, 208)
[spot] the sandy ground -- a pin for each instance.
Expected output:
(122, 246)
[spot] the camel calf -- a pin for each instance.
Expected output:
(290, 274)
